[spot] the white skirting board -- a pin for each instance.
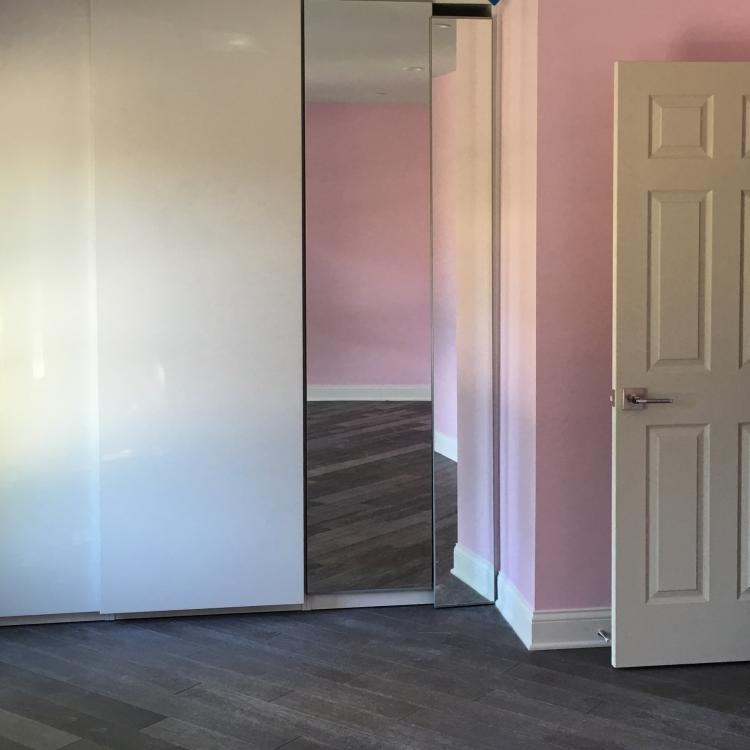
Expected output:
(474, 571)
(446, 446)
(546, 630)
(312, 602)
(99, 617)
(369, 393)
(10, 622)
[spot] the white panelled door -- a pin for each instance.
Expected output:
(681, 568)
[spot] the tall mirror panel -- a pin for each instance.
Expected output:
(368, 306)
(462, 310)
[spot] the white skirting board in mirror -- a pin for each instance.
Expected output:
(369, 392)
(369, 599)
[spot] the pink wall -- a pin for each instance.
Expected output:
(518, 238)
(368, 245)
(445, 239)
(579, 41)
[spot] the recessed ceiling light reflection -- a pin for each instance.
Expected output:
(239, 41)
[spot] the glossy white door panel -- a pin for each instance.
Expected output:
(49, 546)
(198, 219)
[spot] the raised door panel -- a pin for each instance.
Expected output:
(678, 514)
(745, 281)
(744, 513)
(682, 127)
(679, 265)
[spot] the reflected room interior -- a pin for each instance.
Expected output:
(462, 233)
(368, 296)
(398, 162)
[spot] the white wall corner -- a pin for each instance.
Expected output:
(474, 571)
(547, 630)
(447, 446)
(369, 393)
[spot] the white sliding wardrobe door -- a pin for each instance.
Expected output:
(198, 219)
(49, 525)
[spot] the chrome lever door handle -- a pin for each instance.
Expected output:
(636, 399)
(646, 401)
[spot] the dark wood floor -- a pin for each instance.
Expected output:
(369, 496)
(412, 677)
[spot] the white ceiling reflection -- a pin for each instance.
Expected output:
(359, 52)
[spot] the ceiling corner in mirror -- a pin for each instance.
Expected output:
(373, 51)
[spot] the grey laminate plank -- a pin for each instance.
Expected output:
(400, 733)
(280, 679)
(258, 732)
(221, 716)
(196, 667)
(477, 735)
(304, 743)
(26, 732)
(316, 659)
(137, 694)
(557, 730)
(683, 728)
(70, 696)
(38, 641)
(628, 687)
(524, 719)
(544, 694)
(384, 679)
(319, 728)
(192, 737)
(348, 630)
(7, 744)
(443, 682)
(75, 724)
(681, 711)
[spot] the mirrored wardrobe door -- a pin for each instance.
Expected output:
(461, 63)
(369, 412)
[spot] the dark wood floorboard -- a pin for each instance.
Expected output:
(369, 496)
(411, 677)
